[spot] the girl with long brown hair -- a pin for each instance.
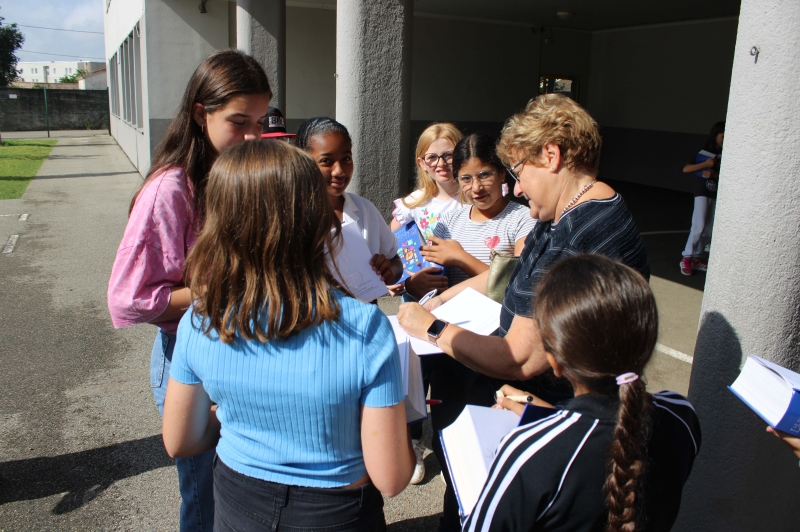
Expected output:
(308, 419)
(225, 103)
(615, 458)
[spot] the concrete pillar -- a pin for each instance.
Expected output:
(373, 93)
(745, 479)
(261, 32)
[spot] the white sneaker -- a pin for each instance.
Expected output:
(419, 470)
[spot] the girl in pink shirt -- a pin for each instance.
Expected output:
(225, 103)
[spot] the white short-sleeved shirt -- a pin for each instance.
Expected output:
(480, 238)
(427, 215)
(380, 239)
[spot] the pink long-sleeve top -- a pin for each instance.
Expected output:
(160, 233)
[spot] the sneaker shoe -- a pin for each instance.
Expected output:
(700, 265)
(686, 266)
(419, 469)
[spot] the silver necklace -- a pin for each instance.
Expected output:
(578, 196)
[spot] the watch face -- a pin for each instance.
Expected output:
(436, 328)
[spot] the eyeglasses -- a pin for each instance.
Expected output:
(432, 159)
(513, 169)
(484, 178)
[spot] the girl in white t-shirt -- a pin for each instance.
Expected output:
(436, 193)
(329, 144)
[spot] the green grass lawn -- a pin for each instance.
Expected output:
(19, 162)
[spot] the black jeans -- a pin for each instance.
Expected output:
(244, 504)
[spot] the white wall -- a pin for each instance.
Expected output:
(179, 37)
(671, 77)
(118, 22)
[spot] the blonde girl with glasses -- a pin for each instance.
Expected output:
(464, 239)
(436, 194)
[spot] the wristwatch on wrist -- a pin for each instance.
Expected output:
(435, 331)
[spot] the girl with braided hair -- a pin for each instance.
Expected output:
(616, 457)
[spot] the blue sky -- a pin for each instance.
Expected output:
(85, 15)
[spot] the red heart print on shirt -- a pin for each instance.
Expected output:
(491, 241)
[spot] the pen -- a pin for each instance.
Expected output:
(427, 297)
(521, 398)
(524, 399)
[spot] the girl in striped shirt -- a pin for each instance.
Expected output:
(465, 238)
(616, 457)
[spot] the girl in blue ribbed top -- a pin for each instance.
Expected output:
(295, 382)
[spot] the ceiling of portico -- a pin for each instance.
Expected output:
(586, 14)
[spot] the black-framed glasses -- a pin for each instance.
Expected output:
(485, 177)
(432, 159)
(513, 169)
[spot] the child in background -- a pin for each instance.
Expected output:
(705, 200)
(309, 422)
(225, 103)
(465, 238)
(616, 457)
(329, 144)
(436, 194)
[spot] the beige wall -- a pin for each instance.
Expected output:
(673, 77)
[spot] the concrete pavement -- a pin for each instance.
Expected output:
(79, 433)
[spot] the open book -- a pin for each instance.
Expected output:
(352, 257)
(413, 388)
(470, 444)
(469, 310)
(772, 392)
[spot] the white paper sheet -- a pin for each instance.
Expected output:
(469, 310)
(353, 258)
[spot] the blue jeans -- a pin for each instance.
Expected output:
(246, 504)
(195, 476)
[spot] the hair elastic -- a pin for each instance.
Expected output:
(626, 378)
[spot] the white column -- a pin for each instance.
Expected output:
(745, 479)
(373, 92)
(261, 32)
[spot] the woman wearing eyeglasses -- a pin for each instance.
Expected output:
(552, 149)
(464, 238)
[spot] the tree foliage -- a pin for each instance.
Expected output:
(11, 40)
(72, 78)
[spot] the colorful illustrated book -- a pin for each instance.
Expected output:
(409, 241)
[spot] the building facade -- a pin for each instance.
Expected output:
(52, 71)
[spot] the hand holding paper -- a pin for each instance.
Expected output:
(352, 256)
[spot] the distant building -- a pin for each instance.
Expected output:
(95, 80)
(52, 71)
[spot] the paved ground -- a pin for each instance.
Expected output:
(79, 434)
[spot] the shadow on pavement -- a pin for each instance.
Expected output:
(418, 524)
(83, 475)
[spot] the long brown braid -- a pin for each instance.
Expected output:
(598, 319)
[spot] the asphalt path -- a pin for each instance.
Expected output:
(80, 445)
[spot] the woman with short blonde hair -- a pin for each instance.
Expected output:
(552, 149)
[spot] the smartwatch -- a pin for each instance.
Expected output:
(435, 331)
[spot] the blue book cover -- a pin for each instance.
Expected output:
(703, 156)
(409, 242)
(772, 392)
